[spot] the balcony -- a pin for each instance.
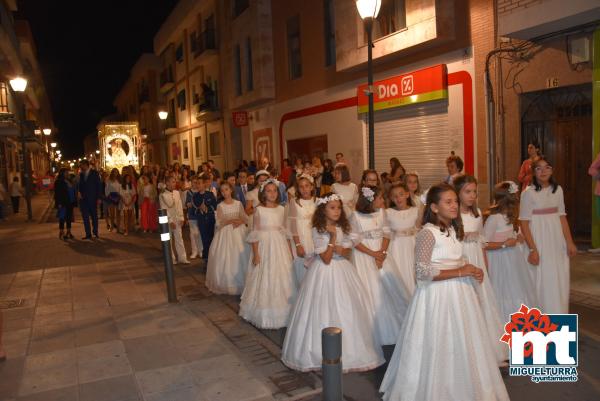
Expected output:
(208, 105)
(143, 96)
(166, 79)
(8, 125)
(206, 43)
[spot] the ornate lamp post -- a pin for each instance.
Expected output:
(368, 11)
(163, 115)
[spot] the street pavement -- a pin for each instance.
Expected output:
(89, 320)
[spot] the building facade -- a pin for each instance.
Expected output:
(18, 58)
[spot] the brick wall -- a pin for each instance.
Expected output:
(508, 6)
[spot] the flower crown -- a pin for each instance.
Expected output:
(307, 176)
(269, 181)
(368, 193)
(512, 187)
(327, 199)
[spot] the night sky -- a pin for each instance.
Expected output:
(86, 50)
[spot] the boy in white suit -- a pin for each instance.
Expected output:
(170, 200)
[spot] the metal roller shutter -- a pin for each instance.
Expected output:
(418, 136)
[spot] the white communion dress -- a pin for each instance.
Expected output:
(403, 224)
(229, 252)
(300, 224)
(349, 195)
(443, 350)
(507, 268)
(384, 287)
(331, 295)
(473, 244)
(270, 290)
(543, 210)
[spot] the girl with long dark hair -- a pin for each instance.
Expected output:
(64, 199)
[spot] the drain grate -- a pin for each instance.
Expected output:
(12, 303)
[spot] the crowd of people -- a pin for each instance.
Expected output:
(381, 258)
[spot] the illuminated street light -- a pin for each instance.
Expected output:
(47, 131)
(18, 84)
(97, 152)
(53, 145)
(37, 132)
(163, 114)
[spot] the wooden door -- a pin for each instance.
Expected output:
(571, 155)
(306, 148)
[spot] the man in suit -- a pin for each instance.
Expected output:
(89, 188)
(242, 188)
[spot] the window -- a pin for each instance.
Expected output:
(391, 18)
(194, 42)
(214, 143)
(195, 96)
(186, 151)
(179, 53)
(249, 72)
(293, 43)
(237, 70)
(329, 32)
(197, 146)
(181, 99)
(3, 97)
(171, 118)
(239, 6)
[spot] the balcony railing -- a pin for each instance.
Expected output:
(166, 76)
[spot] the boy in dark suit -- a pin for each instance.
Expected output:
(90, 190)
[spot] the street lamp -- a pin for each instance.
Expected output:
(18, 85)
(47, 131)
(368, 11)
(162, 114)
(53, 145)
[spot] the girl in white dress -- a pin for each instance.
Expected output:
(414, 186)
(377, 269)
(546, 230)
(270, 290)
(229, 253)
(443, 350)
(252, 197)
(473, 244)
(128, 197)
(403, 216)
(345, 188)
(507, 265)
(301, 209)
(331, 295)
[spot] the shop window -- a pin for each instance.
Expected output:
(391, 18)
(249, 72)
(329, 32)
(186, 151)
(293, 43)
(237, 70)
(214, 143)
(198, 146)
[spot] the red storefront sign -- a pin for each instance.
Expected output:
(416, 87)
(240, 118)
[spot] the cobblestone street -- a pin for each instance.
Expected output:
(89, 321)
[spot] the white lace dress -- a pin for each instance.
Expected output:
(331, 295)
(229, 252)
(443, 350)
(473, 244)
(384, 287)
(508, 268)
(402, 245)
(349, 195)
(300, 224)
(270, 290)
(543, 210)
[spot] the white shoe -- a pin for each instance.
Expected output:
(594, 250)
(186, 262)
(194, 256)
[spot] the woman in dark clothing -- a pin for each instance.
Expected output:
(64, 199)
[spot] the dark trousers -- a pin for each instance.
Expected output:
(15, 203)
(88, 211)
(68, 218)
(206, 225)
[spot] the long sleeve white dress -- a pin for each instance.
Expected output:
(300, 224)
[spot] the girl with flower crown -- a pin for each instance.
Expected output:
(473, 243)
(331, 295)
(443, 351)
(270, 290)
(507, 266)
(300, 212)
(376, 268)
(546, 231)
